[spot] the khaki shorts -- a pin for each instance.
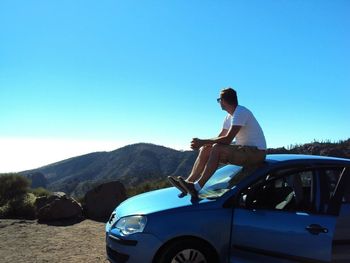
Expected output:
(245, 155)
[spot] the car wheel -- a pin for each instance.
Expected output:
(187, 251)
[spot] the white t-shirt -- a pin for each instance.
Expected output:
(250, 133)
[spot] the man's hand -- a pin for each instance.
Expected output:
(196, 143)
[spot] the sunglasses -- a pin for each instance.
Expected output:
(218, 100)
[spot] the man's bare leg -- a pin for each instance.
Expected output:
(218, 154)
(200, 163)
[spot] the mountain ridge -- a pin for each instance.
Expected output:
(131, 164)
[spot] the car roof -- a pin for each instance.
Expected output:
(277, 158)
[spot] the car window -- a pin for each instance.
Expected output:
(295, 190)
(283, 190)
(341, 237)
(333, 176)
(346, 196)
(329, 178)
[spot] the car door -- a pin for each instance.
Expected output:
(284, 218)
(341, 240)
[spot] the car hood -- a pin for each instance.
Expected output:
(155, 201)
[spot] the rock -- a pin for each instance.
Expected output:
(332, 152)
(44, 200)
(314, 149)
(280, 150)
(58, 206)
(102, 200)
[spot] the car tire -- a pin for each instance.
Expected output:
(188, 250)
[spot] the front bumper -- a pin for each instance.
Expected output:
(140, 247)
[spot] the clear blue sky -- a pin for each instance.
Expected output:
(80, 73)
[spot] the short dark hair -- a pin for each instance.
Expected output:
(230, 96)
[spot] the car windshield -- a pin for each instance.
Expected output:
(223, 180)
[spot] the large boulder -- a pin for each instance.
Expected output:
(57, 207)
(42, 201)
(101, 201)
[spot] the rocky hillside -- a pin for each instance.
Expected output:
(131, 165)
(338, 149)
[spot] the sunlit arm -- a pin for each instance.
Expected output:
(225, 137)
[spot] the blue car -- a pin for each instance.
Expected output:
(292, 208)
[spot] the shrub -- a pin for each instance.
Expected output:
(22, 206)
(4, 210)
(40, 191)
(15, 201)
(12, 186)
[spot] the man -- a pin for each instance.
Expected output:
(248, 149)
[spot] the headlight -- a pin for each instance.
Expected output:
(131, 224)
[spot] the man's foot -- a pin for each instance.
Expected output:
(175, 182)
(189, 187)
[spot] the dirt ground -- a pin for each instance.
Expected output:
(28, 241)
(84, 242)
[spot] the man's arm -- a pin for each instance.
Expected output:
(223, 132)
(225, 137)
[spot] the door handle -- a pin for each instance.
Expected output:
(316, 229)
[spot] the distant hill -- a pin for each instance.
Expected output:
(132, 165)
(139, 163)
(335, 149)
